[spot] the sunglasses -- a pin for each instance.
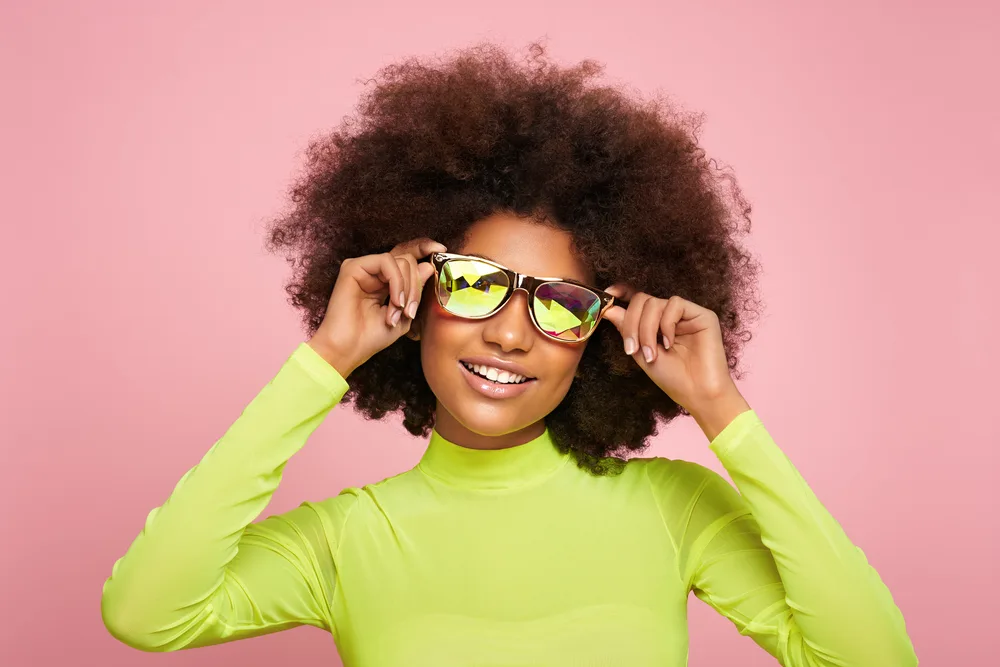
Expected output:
(475, 288)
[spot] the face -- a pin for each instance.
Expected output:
(464, 415)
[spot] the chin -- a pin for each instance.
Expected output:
(489, 420)
(486, 417)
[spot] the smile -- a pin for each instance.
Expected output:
(495, 388)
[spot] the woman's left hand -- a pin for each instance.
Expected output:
(692, 369)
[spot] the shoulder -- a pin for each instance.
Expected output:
(677, 481)
(336, 508)
(334, 512)
(358, 500)
(662, 470)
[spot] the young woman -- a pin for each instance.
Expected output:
(534, 272)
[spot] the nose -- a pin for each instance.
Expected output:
(511, 327)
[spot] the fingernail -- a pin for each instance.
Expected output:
(648, 353)
(630, 346)
(395, 317)
(402, 300)
(666, 343)
(411, 310)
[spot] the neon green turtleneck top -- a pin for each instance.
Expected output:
(502, 557)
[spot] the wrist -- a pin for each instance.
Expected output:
(336, 359)
(715, 414)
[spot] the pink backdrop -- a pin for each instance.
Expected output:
(145, 146)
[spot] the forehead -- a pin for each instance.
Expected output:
(526, 246)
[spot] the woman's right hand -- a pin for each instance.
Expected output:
(357, 324)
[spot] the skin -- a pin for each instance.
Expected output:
(464, 416)
(681, 342)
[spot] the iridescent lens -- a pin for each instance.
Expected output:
(468, 288)
(566, 311)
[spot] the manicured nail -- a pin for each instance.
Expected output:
(666, 342)
(402, 300)
(411, 310)
(395, 317)
(648, 353)
(630, 346)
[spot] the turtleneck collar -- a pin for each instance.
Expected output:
(492, 469)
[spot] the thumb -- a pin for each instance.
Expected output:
(615, 315)
(424, 272)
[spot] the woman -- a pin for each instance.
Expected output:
(533, 271)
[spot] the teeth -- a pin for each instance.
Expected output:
(495, 374)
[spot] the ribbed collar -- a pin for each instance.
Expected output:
(492, 469)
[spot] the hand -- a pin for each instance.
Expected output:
(359, 320)
(691, 365)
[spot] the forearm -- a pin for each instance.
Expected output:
(839, 608)
(162, 589)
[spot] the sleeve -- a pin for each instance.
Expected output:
(200, 572)
(773, 561)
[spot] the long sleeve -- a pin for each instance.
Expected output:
(200, 572)
(774, 561)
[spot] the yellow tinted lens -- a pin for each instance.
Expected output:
(469, 288)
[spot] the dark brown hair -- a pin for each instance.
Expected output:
(437, 145)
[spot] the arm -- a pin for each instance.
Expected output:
(776, 563)
(200, 572)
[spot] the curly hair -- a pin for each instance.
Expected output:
(435, 146)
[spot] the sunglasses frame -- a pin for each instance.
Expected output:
(518, 281)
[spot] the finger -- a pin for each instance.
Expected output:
(630, 326)
(366, 271)
(390, 272)
(616, 315)
(418, 248)
(426, 273)
(621, 291)
(672, 314)
(649, 327)
(683, 317)
(412, 286)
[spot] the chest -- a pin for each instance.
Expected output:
(508, 581)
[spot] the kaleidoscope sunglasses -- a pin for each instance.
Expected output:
(475, 288)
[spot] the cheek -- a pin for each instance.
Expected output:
(561, 362)
(441, 339)
(441, 331)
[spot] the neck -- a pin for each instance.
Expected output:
(453, 431)
(496, 469)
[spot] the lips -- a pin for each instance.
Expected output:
(485, 376)
(499, 364)
(492, 389)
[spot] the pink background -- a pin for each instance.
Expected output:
(145, 144)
